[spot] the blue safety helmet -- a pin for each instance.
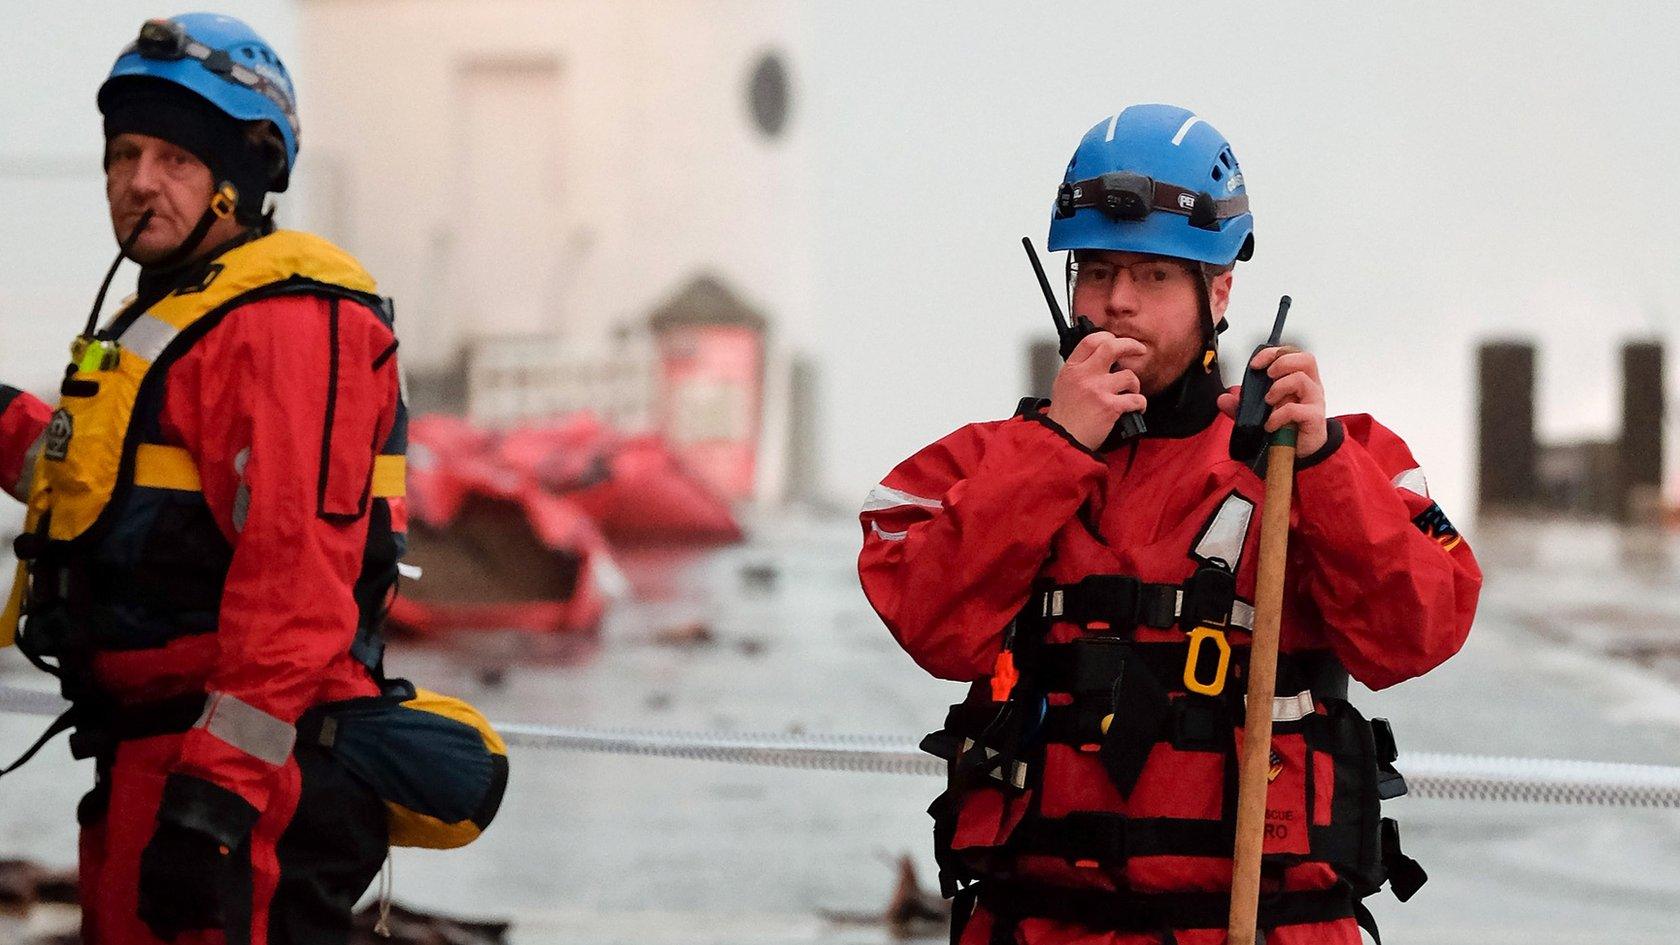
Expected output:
(225, 62)
(1155, 179)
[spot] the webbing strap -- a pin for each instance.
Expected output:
(157, 466)
(1111, 839)
(1084, 665)
(1122, 601)
(1127, 911)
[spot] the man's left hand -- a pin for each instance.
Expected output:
(181, 875)
(1297, 396)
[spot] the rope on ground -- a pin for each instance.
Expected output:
(1429, 775)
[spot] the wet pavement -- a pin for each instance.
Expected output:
(602, 849)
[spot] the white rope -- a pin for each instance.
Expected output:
(1435, 776)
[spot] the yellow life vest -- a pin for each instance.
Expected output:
(92, 456)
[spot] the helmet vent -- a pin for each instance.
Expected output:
(1226, 159)
(1217, 173)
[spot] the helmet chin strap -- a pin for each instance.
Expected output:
(223, 203)
(1210, 329)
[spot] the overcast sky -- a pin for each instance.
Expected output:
(1422, 177)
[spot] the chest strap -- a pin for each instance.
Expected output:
(170, 467)
(1128, 911)
(1122, 601)
(1093, 663)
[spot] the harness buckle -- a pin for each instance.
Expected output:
(1017, 776)
(1208, 596)
(225, 200)
(1192, 661)
(1106, 598)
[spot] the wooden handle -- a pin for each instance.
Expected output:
(1256, 758)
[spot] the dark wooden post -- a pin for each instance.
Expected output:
(1505, 422)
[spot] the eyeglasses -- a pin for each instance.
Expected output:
(1148, 275)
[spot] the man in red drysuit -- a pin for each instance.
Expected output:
(215, 518)
(1098, 590)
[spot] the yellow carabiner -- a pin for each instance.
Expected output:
(1217, 685)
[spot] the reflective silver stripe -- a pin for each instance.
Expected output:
(1412, 480)
(26, 475)
(247, 728)
(1242, 615)
(1290, 708)
(889, 536)
(148, 336)
(883, 497)
(1224, 536)
(241, 495)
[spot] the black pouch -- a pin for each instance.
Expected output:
(1139, 710)
(1363, 845)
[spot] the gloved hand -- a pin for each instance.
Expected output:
(184, 866)
(181, 875)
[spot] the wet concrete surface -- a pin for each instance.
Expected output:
(603, 849)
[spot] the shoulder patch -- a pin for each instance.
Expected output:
(1433, 522)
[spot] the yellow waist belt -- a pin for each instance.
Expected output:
(171, 467)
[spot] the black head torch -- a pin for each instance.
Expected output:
(1127, 196)
(162, 39)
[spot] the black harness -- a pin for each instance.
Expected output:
(1126, 697)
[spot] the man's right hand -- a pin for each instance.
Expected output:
(1086, 398)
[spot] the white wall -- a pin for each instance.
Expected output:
(661, 173)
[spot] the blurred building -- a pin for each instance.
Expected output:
(1519, 473)
(532, 180)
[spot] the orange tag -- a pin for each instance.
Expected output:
(1004, 676)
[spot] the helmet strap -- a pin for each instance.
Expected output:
(223, 203)
(1210, 328)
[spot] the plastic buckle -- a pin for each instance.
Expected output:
(1064, 200)
(225, 200)
(1204, 214)
(1158, 605)
(1017, 777)
(1200, 724)
(28, 546)
(1208, 596)
(1192, 661)
(1103, 598)
(1383, 734)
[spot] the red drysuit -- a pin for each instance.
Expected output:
(962, 536)
(282, 406)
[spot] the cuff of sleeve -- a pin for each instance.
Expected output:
(1333, 441)
(1032, 413)
(208, 808)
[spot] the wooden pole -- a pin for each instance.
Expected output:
(1255, 759)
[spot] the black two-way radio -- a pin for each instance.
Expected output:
(1129, 425)
(1248, 437)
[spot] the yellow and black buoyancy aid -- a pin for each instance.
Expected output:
(120, 550)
